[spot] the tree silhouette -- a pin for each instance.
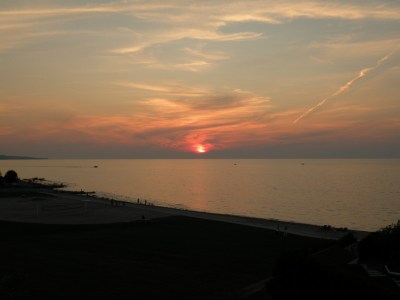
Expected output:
(11, 176)
(382, 246)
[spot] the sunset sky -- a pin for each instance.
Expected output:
(223, 78)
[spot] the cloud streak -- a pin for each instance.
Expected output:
(171, 89)
(346, 86)
(202, 21)
(231, 10)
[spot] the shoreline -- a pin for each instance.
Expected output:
(32, 202)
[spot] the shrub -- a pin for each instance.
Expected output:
(11, 176)
(382, 246)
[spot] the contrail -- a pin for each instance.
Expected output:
(346, 86)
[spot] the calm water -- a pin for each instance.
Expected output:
(359, 194)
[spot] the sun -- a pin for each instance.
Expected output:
(200, 149)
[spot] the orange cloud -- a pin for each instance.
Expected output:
(184, 118)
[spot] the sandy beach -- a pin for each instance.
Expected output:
(50, 206)
(59, 244)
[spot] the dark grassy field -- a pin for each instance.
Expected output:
(173, 258)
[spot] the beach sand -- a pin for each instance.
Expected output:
(49, 206)
(58, 245)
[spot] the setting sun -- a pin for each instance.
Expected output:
(200, 149)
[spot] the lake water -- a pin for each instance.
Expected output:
(359, 194)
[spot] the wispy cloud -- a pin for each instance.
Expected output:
(86, 9)
(12, 41)
(161, 73)
(172, 89)
(214, 14)
(207, 118)
(210, 56)
(192, 60)
(179, 119)
(167, 36)
(193, 66)
(196, 21)
(348, 47)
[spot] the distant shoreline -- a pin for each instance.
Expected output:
(10, 157)
(13, 157)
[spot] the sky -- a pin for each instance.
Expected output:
(210, 79)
